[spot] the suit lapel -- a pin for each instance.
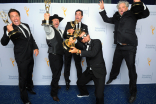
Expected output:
(90, 45)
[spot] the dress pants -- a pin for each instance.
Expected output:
(99, 85)
(56, 63)
(128, 53)
(25, 69)
(67, 58)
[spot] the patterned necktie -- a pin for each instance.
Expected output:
(25, 31)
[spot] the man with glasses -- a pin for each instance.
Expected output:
(96, 70)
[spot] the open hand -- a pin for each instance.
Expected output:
(101, 4)
(70, 31)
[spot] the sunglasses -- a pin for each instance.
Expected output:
(83, 36)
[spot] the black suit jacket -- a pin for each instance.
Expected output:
(23, 47)
(68, 26)
(94, 57)
(125, 25)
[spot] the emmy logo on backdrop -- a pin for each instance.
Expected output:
(153, 28)
(47, 61)
(149, 60)
(12, 60)
(64, 10)
(27, 10)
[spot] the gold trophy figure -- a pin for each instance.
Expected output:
(66, 44)
(4, 17)
(47, 6)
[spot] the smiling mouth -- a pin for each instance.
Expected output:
(16, 21)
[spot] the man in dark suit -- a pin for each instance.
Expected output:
(24, 46)
(68, 56)
(125, 37)
(96, 70)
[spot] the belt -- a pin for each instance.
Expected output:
(123, 44)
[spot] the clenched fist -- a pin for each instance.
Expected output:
(9, 27)
(46, 16)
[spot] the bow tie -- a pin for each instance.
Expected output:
(87, 43)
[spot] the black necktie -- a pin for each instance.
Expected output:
(78, 25)
(25, 31)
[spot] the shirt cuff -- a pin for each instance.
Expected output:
(75, 41)
(100, 10)
(144, 6)
(7, 33)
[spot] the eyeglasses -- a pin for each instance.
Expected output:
(83, 36)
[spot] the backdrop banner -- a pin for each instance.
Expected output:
(33, 14)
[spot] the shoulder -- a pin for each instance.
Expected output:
(84, 24)
(25, 24)
(96, 40)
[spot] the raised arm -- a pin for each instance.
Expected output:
(141, 14)
(104, 14)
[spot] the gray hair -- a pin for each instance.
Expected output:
(125, 2)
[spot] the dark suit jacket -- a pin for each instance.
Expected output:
(94, 57)
(68, 26)
(125, 25)
(23, 47)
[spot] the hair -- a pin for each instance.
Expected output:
(13, 10)
(79, 11)
(125, 2)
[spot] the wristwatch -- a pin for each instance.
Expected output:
(77, 52)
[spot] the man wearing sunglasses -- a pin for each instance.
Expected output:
(96, 70)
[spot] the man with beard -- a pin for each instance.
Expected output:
(125, 37)
(96, 70)
(69, 30)
(54, 40)
(24, 46)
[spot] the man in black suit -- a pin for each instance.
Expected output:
(69, 30)
(96, 70)
(24, 46)
(125, 37)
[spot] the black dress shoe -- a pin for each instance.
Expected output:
(67, 85)
(31, 91)
(55, 98)
(132, 98)
(27, 102)
(109, 81)
(59, 87)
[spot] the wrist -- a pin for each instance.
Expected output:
(78, 52)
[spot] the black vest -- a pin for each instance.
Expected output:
(55, 44)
